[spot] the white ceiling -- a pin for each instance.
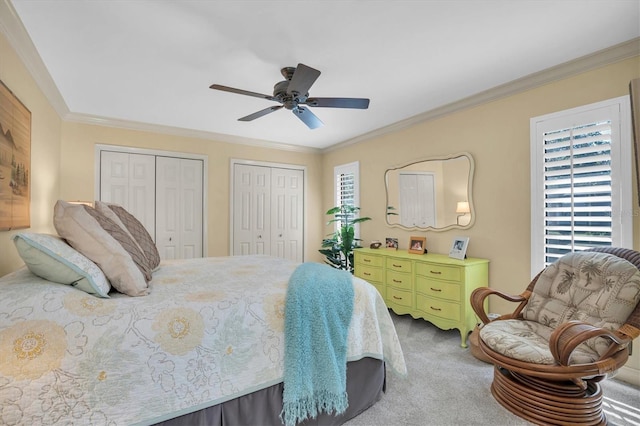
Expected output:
(152, 62)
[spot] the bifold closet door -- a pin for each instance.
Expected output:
(287, 209)
(129, 180)
(179, 219)
(268, 211)
(251, 209)
(417, 199)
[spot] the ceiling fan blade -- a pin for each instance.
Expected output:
(357, 103)
(302, 79)
(241, 92)
(260, 113)
(307, 117)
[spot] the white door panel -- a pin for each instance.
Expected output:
(251, 217)
(179, 188)
(114, 178)
(164, 192)
(129, 180)
(267, 211)
(286, 229)
(191, 208)
(417, 199)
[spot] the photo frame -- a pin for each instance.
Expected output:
(459, 248)
(391, 243)
(417, 245)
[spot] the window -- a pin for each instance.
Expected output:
(347, 186)
(580, 180)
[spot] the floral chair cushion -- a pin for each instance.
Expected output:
(596, 288)
(528, 341)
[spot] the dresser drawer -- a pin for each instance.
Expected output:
(399, 265)
(399, 297)
(441, 272)
(439, 308)
(399, 280)
(435, 288)
(368, 259)
(369, 273)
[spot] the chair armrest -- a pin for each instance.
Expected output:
(479, 295)
(566, 337)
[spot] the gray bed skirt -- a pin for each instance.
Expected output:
(366, 381)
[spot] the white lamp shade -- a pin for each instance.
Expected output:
(463, 207)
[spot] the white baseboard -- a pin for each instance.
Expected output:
(629, 375)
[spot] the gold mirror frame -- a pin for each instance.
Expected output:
(392, 211)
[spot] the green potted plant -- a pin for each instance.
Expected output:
(338, 248)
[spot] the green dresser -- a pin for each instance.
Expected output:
(434, 287)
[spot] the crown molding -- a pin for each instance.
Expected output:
(12, 28)
(182, 132)
(616, 53)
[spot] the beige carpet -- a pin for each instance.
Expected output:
(446, 385)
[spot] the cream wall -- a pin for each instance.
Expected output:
(45, 151)
(77, 175)
(497, 135)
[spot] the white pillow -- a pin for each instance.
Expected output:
(49, 257)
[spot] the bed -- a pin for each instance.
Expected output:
(204, 345)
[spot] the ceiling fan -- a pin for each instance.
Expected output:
(293, 92)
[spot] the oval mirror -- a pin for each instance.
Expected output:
(431, 194)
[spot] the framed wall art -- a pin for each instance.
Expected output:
(15, 162)
(417, 245)
(459, 248)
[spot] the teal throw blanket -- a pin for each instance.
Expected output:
(318, 310)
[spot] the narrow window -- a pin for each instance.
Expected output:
(581, 180)
(347, 187)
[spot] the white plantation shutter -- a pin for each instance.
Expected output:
(581, 183)
(347, 186)
(345, 189)
(577, 189)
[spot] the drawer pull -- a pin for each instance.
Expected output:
(399, 298)
(367, 260)
(367, 274)
(397, 281)
(435, 289)
(435, 309)
(436, 272)
(397, 266)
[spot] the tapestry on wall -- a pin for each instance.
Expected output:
(15, 161)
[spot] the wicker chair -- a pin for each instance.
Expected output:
(570, 330)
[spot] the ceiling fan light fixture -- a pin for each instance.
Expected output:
(289, 94)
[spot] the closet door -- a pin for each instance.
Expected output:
(129, 180)
(268, 211)
(179, 218)
(417, 199)
(251, 209)
(287, 199)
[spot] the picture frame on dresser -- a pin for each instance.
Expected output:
(459, 248)
(417, 245)
(391, 243)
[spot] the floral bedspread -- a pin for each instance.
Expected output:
(211, 330)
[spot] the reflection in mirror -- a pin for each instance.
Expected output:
(431, 194)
